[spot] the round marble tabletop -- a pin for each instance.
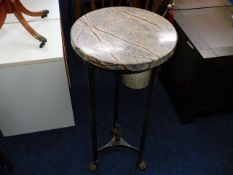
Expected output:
(123, 38)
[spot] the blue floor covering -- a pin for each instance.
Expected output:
(204, 147)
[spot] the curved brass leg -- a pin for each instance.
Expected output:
(27, 26)
(3, 13)
(22, 9)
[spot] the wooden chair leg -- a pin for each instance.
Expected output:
(5, 163)
(157, 5)
(135, 3)
(27, 26)
(102, 3)
(22, 9)
(111, 3)
(78, 5)
(147, 4)
(93, 7)
(3, 14)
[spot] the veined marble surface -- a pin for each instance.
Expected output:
(123, 38)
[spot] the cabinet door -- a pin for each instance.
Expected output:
(179, 74)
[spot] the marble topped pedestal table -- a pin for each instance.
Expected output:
(122, 40)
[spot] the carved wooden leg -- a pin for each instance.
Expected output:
(27, 26)
(135, 3)
(5, 164)
(3, 13)
(22, 9)
(78, 6)
(111, 3)
(156, 6)
(102, 3)
(147, 4)
(93, 7)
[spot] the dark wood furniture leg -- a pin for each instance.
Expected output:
(78, 8)
(5, 164)
(3, 13)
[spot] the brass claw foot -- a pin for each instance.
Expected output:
(141, 165)
(93, 166)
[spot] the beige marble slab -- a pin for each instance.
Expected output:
(123, 38)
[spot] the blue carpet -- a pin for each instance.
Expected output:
(204, 147)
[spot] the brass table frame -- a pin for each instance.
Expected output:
(117, 139)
